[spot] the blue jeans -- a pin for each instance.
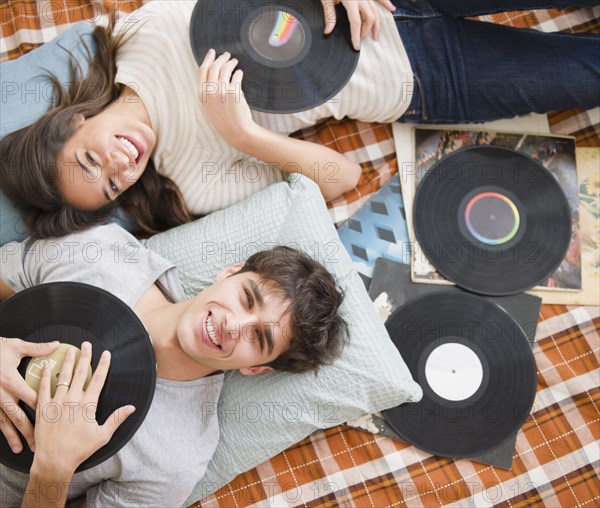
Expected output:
(471, 71)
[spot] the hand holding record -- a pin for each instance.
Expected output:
(221, 96)
(66, 425)
(363, 17)
(13, 388)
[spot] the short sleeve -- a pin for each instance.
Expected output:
(12, 266)
(107, 257)
(160, 491)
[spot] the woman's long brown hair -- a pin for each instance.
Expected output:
(28, 157)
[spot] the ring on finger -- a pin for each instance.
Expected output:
(63, 383)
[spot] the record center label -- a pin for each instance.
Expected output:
(492, 218)
(454, 371)
(33, 374)
(275, 38)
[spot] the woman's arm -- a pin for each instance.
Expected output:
(5, 291)
(224, 104)
(66, 430)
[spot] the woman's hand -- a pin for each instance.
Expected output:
(221, 96)
(66, 425)
(66, 430)
(362, 14)
(14, 388)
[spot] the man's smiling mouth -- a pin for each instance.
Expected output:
(211, 331)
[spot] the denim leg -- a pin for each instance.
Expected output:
(470, 71)
(463, 8)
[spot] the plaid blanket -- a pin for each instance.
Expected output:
(557, 454)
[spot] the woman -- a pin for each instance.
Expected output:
(208, 148)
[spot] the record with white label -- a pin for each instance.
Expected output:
(475, 367)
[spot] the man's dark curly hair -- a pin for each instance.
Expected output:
(318, 331)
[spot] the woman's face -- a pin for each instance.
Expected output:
(105, 156)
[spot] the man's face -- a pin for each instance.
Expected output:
(237, 323)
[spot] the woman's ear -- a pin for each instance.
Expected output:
(253, 371)
(78, 120)
(230, 270)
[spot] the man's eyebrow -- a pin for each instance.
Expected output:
(89, 172)
(257, 293)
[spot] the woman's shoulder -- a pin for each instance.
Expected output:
(156, 15)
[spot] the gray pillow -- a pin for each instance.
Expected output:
(263, 415)
(27, 95)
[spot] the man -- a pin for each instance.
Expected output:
(279, 310)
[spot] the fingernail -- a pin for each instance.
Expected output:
(16, 448)
(131, 409)
(54, 343)
(86, 345)
(32, 447)
(71, 351)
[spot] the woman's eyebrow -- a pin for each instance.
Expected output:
(89, 172)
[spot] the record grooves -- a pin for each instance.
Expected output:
(471, 402)
(73, 313)
(492, 220)
(289, 64)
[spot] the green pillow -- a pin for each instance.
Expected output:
(263, 415)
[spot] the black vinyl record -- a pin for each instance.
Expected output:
(73, 313)
(475, 367)
(492, 220)
(289, 64)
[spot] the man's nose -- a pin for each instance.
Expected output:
(240, 324)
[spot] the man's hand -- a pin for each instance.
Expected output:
(362, 14)
(14, 388)
(221, 97)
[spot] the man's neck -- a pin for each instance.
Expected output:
(160, 317)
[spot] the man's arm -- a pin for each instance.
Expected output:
(224, 104)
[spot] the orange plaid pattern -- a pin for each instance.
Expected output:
(554, 464)
(557, 454)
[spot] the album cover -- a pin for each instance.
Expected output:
(588, 162)
(391, 287)
(555, 153)
(377, 229)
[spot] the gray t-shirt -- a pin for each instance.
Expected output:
(169, 453)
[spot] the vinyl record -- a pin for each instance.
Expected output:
(475, 367)
(492, 220)
(289, 64)
(73, 313)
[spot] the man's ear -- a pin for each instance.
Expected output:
(253, 371)
(230, 270)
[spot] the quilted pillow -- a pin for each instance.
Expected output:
(263, 415)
